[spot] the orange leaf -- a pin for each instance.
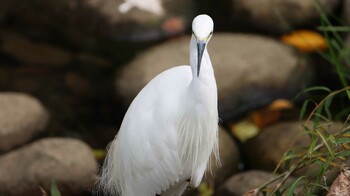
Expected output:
(280, 104)
(265, 117)
(173, 25)
(305, 40)
(270, 114)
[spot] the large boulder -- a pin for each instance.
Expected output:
(69, 162)
(245, 182)
(266, 150)
(22, 117)
(103, 27)
(250, 70)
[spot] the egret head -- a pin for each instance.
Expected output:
(202, 28)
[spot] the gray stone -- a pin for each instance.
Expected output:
(245, 68)
(101, 18)
(77, 84)
(21, 118)
(276, 16)
(244, 182)
(69, 162)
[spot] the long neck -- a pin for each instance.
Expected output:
(206, 69)
(202, 87)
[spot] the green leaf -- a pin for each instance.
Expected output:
(313, 145)
(336, 45)
(343, 140)
(293, 186)
(331, 138)
(319, 116)
(335, 28)
(303, 109)
(53, 189)
(327, 105)
(316, 88)
(325, 143)
(345, 153)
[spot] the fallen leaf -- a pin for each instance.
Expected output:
(244, 130)
(280, 104)
(99, 154)
(264, 117)
(173, 25)
(205, 189)
(305, 40)
(270, 114)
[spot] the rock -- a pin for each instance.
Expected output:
(27, 51)
(341, 185)
(241, 183)
(245, 68)
(77, 84)
(69, 162)
(21, 118)
(97, 26)
(229, 157)
(266, 149)
(276, 16)
(92, 59)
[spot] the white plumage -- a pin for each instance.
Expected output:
(170, 129)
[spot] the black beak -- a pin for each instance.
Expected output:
(200, 50)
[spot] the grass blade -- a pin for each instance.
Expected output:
(292, 187)
(325, 142)
(53, 189)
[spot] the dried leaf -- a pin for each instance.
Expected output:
(280, 104)
(173, 25)
(244, 130)
(264, 117)
(271, 113)
(99, 154)
(305, 40)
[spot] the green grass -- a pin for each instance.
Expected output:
(327, 150)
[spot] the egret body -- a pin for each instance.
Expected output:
(170, 129)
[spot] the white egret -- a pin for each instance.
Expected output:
(170, 129)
